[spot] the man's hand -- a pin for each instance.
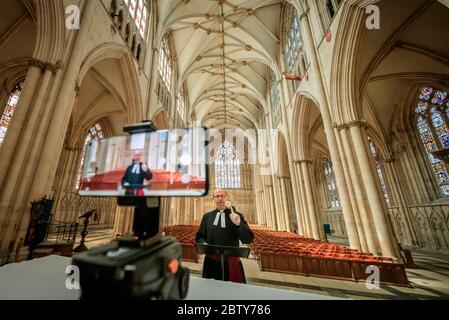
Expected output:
(144, 168)
(235, 218)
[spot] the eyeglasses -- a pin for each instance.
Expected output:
(220, 196)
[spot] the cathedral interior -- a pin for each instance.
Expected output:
(348, 101)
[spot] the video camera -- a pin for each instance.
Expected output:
(139, 169)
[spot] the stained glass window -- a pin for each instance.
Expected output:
(94, 133)
(292, 40)
(432, 111)
(8, 113)
(380, 174)
(165, 65)
(139, 13)
(331, 185)
(227, 167)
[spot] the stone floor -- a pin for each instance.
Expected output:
(429, 281)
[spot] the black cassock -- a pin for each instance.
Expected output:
(135, 180)
(228, 236)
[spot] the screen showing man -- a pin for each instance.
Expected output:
(135, 175)
(153, 164)
(224, 226)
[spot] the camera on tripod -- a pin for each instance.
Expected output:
(139, 170)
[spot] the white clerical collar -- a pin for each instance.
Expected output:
(136, 168)
(220, 213)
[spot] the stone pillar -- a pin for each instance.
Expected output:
(21, 114)
(287, 222)
(34, 163)
(305, 209)
(374, 198)
(44, 175)
(310, 48)
(361, 212)
(310, 202)
(273, 211)
(279, 203)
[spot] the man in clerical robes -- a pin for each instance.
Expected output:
(224, 227)
(135, 175)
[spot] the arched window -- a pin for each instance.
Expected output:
(327, 10)
(95, 133)
(227, 167)
(380, 174)
(293, 43)
(275, 100)
(432, 118)
(165, 65)
(138, 10)
(331, 185)
(8, 113)
(332, 6)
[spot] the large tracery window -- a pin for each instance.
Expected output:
(331, 185)
(293, 43)
(95, 133)
(139, 13)
(380, 174)
(165, 65)
(8, 113)
(432, 122)
(275, 101)
(227, 167)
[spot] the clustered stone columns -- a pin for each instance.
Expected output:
(34, 140)
(331, 139)
(370, 212)
(308, 217)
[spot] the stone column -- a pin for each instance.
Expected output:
(304, 204)
(361, 214)
(21, 114)
(44, 174)
(273, 215)
(310, 48)
(287, 222)
(279, 203)
(310, 202)
(374, 199)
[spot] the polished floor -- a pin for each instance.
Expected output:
(429, 281)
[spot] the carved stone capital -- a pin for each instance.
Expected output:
(356, 123)
(46, 65)
(38, 64)
(308, 161)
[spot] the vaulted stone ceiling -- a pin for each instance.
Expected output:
(224, 52)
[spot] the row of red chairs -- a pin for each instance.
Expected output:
(293, 244)
(183, 233)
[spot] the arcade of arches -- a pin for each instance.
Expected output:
(360, 117)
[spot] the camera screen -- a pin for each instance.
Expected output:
(154, 164)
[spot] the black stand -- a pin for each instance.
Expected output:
(143, 265)
(82, 247)
(222, 251)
